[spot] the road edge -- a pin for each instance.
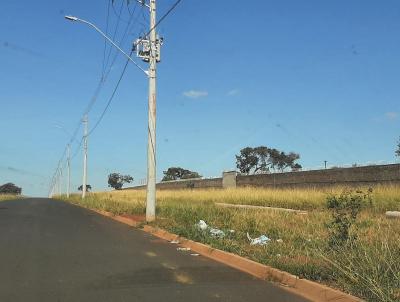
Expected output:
(311, 290)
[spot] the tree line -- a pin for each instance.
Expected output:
(264, 160)
(250, 160)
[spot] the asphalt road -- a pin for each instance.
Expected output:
(54, 251)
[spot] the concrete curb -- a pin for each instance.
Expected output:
(308, 289)
(122, 219)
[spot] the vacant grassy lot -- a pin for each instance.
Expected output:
(368, 267)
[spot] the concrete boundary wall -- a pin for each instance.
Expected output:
(355, 176)
(196, 183)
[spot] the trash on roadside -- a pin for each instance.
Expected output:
(216, 233)
(195, 254)
(183, 249)
(393, 214)
(174, 242)
(202, 225)
(279, 240)
(262, 240)
(232, 231)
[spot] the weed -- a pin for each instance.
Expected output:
(344, 210)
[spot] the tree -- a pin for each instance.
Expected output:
(246, 160)
(262, 159)
(275, 158)
(296, 167)
(397, 152)
(116, 180)
(88, 188)
(290, 161)
(10, 188)
(262, 153)
(175, 173)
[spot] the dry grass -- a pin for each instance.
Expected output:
(385, 197)
(368, 268)
(4, 197)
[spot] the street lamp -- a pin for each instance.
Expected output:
(152, 56)
(76, 19)
(71, 18)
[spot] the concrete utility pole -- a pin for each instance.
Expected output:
(148, 49)
(85, 146)
(59, 181)
(68, 169)
(151, 144)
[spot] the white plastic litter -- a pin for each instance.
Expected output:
(393, 214)
(262, 240)
(183, 249)
(202, 225)
(214, 232)
(174, 242)
(195, 255)
(279, 240)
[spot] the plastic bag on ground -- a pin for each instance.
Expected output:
(262, 240)
(216, 233)
(202, 225)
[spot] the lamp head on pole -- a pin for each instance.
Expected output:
(71, 18)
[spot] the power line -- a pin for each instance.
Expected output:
(115, 32)
(106, 74)
(160, 20)
(95, 95)
(53, 178)
(77, 149)
(111, 98)
(124, 69)
(131, 13)
(105, 42)
(126, 64)
(127, 28)
(122, 4)
(164, 16)
(101, 83)
(91, 103)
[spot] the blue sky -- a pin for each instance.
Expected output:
(320, 78)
